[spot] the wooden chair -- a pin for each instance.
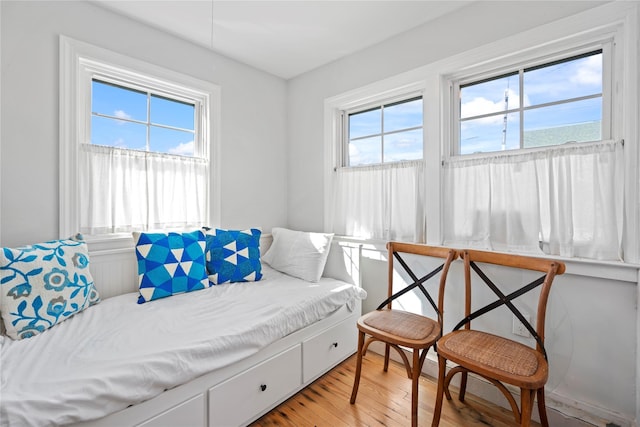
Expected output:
(397, 328)
(500, 360)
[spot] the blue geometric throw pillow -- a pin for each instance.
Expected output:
(44, 284)
(233, 255)
(170, 263)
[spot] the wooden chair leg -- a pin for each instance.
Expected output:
(542, 408)
(463, 385)
(387, 349)
(356, 380)
(526, 405)
(442, 365)
(415, 377)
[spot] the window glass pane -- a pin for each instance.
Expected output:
(566, 80)
(403, 146)
(117, 101)
(365, 151)
(365, 123)
(490, 96)
(171, 141)
(172, 113)
(490, 134)
(403, 115)
(578, 121)
(118, 133)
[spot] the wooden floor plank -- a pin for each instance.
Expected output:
(384, 399)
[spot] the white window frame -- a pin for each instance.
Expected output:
(501, 67)
(102, 73)
(403, 87)
(378, 103)
(616, 22)
(79, 63)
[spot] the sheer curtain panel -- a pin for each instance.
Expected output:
(565, 201)
(381, 201)
(125, 190)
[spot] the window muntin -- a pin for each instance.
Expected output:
(139, 119)
(386, 133)
(548, 104)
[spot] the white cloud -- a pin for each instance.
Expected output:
(183, 149)
(121, 115)
(119, 143)
(567, 80)
(354, 154)
(480, 105)
(353, 151)
(590, 73)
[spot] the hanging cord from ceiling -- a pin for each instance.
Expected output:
(211, 41)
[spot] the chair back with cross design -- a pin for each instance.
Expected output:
(400, 329)
(498, 359)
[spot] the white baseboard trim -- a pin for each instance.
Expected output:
(561, 411)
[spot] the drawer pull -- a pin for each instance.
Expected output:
(263, 387)
(335, 344)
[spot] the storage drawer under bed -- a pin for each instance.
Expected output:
(323, 351)
(239, 399)
(190, 413)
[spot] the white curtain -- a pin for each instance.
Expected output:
(380, 202)
(564, 201)
(124, 190)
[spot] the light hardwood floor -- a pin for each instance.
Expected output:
(384, 399)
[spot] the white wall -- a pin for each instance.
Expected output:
(253, 131)
(0, 127)
(592, 318)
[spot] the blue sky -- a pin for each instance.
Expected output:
(399, 144)
(567, 80)
(172, 123)
(121, 119)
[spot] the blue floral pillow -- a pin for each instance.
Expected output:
(233, 255)
(170, 263)
(44, 284)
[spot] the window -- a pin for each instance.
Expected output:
(545, 175)
(386, 133)
(135, 145)
(139, 119)
(572, 197)
(379, 184)
(540, 105)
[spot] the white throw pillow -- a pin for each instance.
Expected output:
(297, 253)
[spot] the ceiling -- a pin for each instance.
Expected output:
(284, 38)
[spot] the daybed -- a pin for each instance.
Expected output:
(220, 356)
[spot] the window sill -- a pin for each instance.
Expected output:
(610, 270)
(109, 244)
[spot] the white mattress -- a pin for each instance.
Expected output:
(118, 353)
